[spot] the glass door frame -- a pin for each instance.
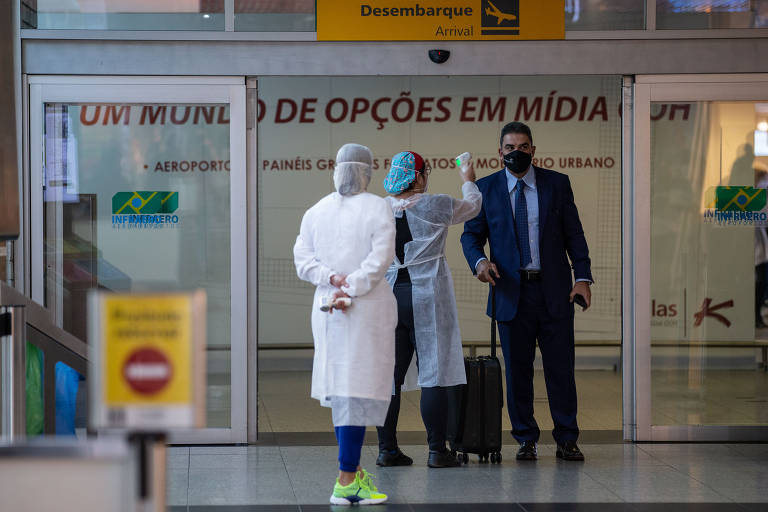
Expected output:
(119, 89)
(666, 88)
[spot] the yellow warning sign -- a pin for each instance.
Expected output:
(147, 349)
(439, 20)
(150, 354)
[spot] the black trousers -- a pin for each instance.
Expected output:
(433, 399)
(556, 342)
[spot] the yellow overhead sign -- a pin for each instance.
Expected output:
(150, 359)
(439, 20)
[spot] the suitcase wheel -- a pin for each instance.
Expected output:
(483, 458)
(496, 458)
(465, 458)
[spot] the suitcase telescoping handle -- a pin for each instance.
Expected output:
(493, 321)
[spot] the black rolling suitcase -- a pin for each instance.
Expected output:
(475, 408)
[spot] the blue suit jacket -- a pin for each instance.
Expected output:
(560, 237)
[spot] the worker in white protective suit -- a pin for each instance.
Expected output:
(427, 318)
(346, 243)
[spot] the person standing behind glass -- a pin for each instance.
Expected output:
(427, 318)
(344, 247)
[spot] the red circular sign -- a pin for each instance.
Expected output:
(147, 371)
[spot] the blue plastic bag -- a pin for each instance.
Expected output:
(67, 384)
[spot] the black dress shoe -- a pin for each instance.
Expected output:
(527, 451)
(569, 451)
(444, 459)
(396, 458)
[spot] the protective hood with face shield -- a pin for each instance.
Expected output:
(352, 173)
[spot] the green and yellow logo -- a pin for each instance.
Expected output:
(739, 199)
(145, 202)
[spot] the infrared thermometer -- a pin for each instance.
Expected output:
(463, 159)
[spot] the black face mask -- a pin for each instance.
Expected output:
(517, 161)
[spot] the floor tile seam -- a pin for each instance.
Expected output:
(661, 461)
(604, 486)
(676, 469)
(288, 474)
(269, 420)
(189, 463)
(690, 477)
(390, 483)
(621, 498)
(704, 484)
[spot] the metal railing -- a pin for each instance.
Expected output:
(24, 321)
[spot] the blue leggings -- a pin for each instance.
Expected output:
(350, 445)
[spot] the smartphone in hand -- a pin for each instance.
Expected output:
(580, 300)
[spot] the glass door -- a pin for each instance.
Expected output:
(702, 163)
(141, 187)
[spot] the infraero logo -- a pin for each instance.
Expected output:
(739, 199)
(500, 17)
(144, 209)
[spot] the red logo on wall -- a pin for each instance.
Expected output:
(708, 310)
(147, 371)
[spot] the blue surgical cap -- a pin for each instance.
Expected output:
(401, 173)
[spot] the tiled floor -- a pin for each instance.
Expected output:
(264, 477)
(294, 466)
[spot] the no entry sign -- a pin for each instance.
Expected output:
(147, 371)
(149, 360)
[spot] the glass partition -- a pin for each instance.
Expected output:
(271, 16)
(137, 198)
(604, 14)
(123, 14)
(304, 120)
(707, 14)
(709, 263)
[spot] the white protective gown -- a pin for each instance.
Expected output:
(438, 338)
(354, 351)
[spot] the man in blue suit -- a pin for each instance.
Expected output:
(532, 226)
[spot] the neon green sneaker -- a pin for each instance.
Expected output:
(367, 481)
(360, 491)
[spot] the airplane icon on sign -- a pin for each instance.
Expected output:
(496, 13)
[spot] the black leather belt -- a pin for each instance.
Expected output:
(530, 275)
